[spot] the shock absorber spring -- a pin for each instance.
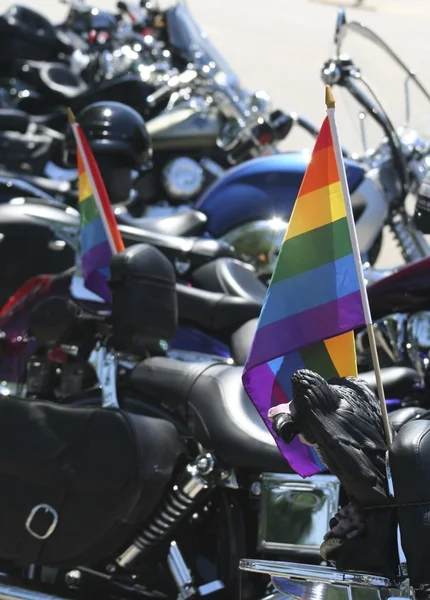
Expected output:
(410, 240)
(191, 484)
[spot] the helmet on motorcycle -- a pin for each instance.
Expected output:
(113, 130)
(26, 34)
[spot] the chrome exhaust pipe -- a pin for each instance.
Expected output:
(10, 591)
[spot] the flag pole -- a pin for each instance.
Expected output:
(331, 104)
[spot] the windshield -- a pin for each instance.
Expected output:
(186, 36)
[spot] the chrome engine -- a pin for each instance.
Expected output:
(402, 339)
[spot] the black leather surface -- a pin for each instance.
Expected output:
(217, 313)
(410, 469)
(190, 223)
(397, 381)
(241, 340)
(230, 276)
(399, 417)
(221, 415)
(12, 119)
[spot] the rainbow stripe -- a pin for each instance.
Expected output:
(99, 237)
(313, 303)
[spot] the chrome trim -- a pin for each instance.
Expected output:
(104, 363)
(313, 573)
(56, 245)
(418, 341)
(410, 240)
(180, 572)
(258, 243)
(313, 582)
(391, 338)
(47, 508)
(183, 178)
(295, 513)
(14, 592)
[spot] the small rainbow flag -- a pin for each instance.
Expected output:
(99, 237)
(313, 303)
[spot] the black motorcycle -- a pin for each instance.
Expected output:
(177, 478)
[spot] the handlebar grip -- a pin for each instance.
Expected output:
(284, 426)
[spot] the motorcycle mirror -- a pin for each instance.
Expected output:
(341, 30)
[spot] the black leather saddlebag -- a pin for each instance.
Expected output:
(76, 483)
(410, 468)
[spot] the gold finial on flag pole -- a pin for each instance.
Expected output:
(71, 116)
(330, 102)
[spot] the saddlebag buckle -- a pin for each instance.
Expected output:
(50, 529)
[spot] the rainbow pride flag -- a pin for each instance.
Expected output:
(313, 303)
(99, 237)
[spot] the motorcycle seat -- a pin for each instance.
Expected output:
(401, 416)
(230, 276)
(397, 381)
(59, 78)
(221, 314)
(410, 470)
(12, 119)
(223, 418)
(187, 223)
(241, 340)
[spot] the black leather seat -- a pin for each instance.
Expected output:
(397, 381)
(217, 313)
(401, 416)
(230, 276)
(410, 470)
(222, 417)
(241, 340)
(12, 119)
(187, 223)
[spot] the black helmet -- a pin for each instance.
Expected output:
(113, 130)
